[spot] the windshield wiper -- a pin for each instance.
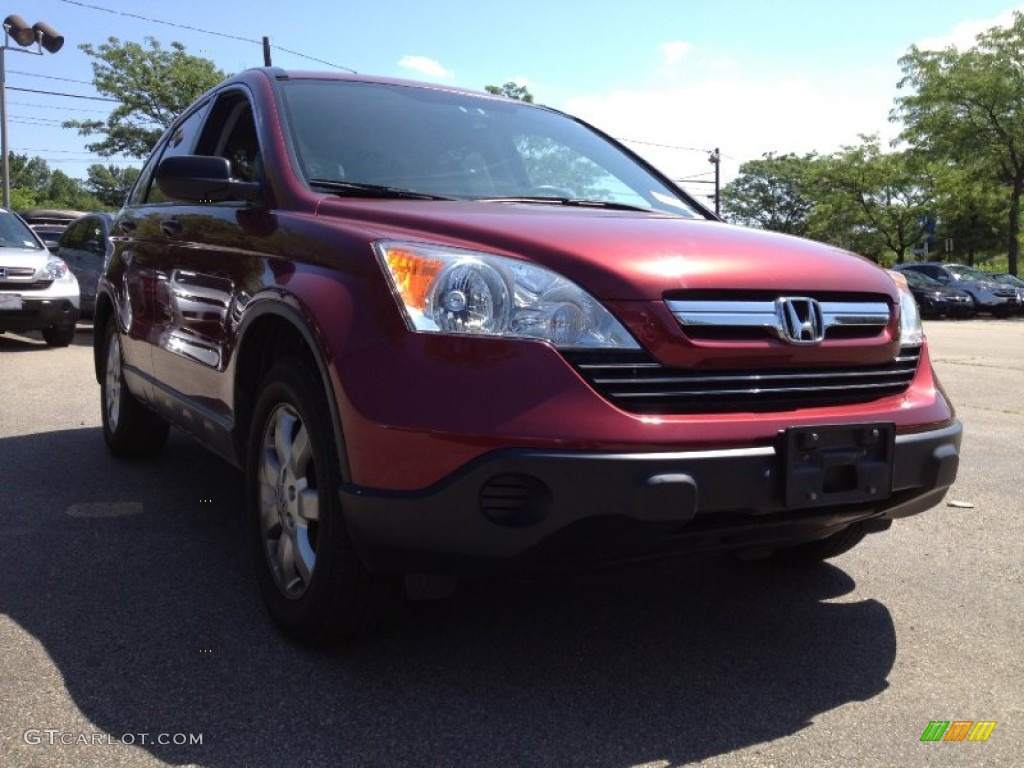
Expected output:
(358, 189)
(573, 201)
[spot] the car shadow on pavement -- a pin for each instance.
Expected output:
(32, 341)
(135, 579)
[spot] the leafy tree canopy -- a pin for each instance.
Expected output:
(34, 185)
(153, 86)
(890, 192)
(966, 106)
(110, 183)
(771, 193)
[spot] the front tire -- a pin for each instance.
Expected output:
(130, 430)
(313, 582)
(59, 335)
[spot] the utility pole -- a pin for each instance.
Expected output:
(715, 158)
(44, 37)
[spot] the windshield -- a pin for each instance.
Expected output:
(920, 281)
(14, 233)
(971, 275)
(452, 145)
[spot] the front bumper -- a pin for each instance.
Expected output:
(530, 509)
(38, 312)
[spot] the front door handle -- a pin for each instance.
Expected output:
(127, 226)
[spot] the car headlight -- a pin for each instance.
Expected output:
(457, 291)
(911, 331)
(58, 271)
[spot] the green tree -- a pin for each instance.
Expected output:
(153, 86)
(891, 194)
(972, 213)
(511, 90)
(969, 105)
(34, 185)
(110, 183)
(772, 193)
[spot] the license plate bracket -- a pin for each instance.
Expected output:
(838, 464)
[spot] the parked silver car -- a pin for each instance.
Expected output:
(989, 296)
(38, 292)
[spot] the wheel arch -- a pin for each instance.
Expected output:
(269, 332)
(103, 313)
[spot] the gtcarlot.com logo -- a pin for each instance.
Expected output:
(55, 736)
(958, 730)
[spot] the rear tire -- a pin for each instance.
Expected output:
(59, 335)
(823, 549)
(313, 582)
(130, 430)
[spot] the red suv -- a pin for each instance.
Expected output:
(445, 333)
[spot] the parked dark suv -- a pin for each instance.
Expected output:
(445, 333)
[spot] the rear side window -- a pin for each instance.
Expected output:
(74, 235)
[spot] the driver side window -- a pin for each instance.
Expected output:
(231, 134)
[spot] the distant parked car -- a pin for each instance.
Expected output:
(37, 290)
(49, 234)
(83, 246)
(1007, 279)
(49, 223)
(935, 299)
(988, 295)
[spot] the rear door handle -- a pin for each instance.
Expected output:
(171, 227)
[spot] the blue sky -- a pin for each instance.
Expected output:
(748, 76)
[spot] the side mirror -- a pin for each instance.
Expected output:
(202, 179)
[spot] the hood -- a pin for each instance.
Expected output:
(35, 258)
(621, 255)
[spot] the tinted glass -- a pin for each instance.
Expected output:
(181, 141)
(461, 146)
(918, 280)
(74, 235)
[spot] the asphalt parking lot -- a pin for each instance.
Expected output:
(130, 624)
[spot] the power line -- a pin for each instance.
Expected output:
(664, 146)
(56, 93)
(60, 109)
(61, 151)
(35, 121)
(204, 31)
(48, 77)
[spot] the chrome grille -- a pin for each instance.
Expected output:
(637, 382)
(20, 278)
(839, 319)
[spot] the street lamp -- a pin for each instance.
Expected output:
(44, 37)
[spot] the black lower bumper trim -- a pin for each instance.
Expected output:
(524, 508)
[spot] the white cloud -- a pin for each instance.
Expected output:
(743, 117)
(963, 34)
(426, 66)
(675, 51)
